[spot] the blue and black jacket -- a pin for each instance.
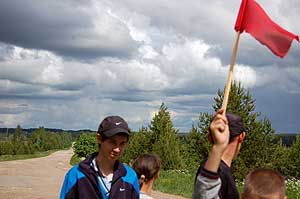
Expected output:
(81, 182)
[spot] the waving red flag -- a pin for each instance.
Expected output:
(254, 20)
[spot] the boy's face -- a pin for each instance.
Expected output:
(113, 147)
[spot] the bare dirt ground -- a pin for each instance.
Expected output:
(41, 178)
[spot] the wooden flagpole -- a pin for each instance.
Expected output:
(230, 73)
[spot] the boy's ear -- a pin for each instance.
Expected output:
(99, 138)
(242, 136)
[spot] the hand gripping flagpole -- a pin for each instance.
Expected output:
(230, 73)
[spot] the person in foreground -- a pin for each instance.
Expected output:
(102, 175)
(147, 167)
(226, 134)
(264, 184)
(259, 183)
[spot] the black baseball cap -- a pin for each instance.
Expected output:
(113, 125)
(236, 125)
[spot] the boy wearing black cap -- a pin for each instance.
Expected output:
(102, 175)
(214, 178)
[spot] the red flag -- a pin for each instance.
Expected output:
(254, 20)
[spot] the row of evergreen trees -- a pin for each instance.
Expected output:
(40, 140)
(261, 147)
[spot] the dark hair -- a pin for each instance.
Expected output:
(146, 167)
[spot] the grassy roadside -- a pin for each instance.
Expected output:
(182, 183)
(175, 182)
(26, 156)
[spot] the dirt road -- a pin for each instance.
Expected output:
(40, 178)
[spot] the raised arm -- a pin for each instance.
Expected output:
(208, 183)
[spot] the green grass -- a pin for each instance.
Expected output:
(182, 183)
(175, 182)
(293, 188)
(26, 156)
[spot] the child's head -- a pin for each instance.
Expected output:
(263, 184)
(147, 167)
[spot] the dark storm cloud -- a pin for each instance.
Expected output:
(19, 90)
(64, 27)
(181, 51)
(14, 110)
(280, 107)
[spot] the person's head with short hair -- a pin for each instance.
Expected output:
(264, 184)
(236, 125)
(236, 134)
(147, 167)
(113, 135)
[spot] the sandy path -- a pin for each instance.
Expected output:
(160, 195)
(40, 178)
(37, 178)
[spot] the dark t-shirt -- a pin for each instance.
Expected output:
(228, 188)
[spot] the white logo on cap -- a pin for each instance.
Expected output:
(118, 123)
(122, 189)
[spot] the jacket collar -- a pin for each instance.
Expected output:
(119, 169)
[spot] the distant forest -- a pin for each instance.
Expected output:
(31, 130)
(287, 138)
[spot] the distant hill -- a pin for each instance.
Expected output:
(30, 130)
(287, 138)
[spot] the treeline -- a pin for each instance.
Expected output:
(261, 147)
(287, 139)
(21, 142)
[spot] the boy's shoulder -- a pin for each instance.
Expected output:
(131, 177)
(75, 172)
(128, 168)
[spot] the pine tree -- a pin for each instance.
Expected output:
(18, 141)
(258, 146)
(140, 142)
(196, 148)
(165, 139)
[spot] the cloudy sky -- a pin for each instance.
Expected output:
(68, 64)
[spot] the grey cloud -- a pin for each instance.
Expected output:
(212, 22)
(16, 90)
(271, 101)
(20, 71)
(63, 27)
(14, 110)
(190, 41)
